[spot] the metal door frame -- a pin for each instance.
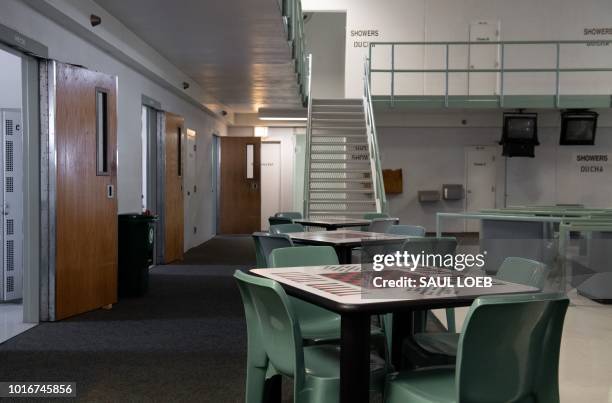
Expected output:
(30, 52)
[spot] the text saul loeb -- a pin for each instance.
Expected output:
(434, 281)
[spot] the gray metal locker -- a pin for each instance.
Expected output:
(11, 220)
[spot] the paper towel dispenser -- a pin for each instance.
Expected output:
(453, 192)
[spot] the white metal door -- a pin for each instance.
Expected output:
(12, 205)
(483, 57)
(270, 181)
(480, 181)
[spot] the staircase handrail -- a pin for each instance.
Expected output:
(308, 141)
(377, 178)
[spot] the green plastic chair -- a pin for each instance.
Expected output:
(286, 228)
(266, 243)
(508, 352)
(513, 269)
(275, 347)
(404, 229)
(372, 216)
(279, 220)
(317, 324)
(294, 215)
(380, 225)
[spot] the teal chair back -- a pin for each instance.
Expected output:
(410, 230)
(279, 220)
(266, 243)
(294, 215)
(519, 364)
(372, 216)
(431, 245)
(380, 225)
(522, 271)
(271, 315)
(286, 228)
(303, 256)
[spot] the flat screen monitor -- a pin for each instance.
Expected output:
(578, 128)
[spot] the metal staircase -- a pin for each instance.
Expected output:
(340, 171)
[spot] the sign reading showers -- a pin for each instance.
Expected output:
(592, 163)
(362, 37)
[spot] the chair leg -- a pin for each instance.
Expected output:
(255, 381)
(450, 320)
(273, 389)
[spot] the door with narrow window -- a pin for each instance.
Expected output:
(79, 126)
(270, 181)
(173, 189)
(481, 180)
(484, 57)
(240, 195)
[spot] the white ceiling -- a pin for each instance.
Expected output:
(235, 49)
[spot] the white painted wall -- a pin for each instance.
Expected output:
(325, 40)
(67, 47)
(10, 80)
(448, 20)
(429, 147)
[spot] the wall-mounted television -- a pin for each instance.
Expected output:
(520, 134)
(578, 128)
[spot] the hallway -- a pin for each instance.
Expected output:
(186, 338)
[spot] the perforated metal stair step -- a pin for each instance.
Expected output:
(341, 201)
(338, 161)
(348, 143)
(340, 180)
(339, 190)
(343, 152)
(335, 102)
(339, 170)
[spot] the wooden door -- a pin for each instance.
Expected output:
(86, 183)
(240, 196)
(173, 189)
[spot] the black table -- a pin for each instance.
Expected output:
(335, 288)
(332, 224)
(343, 241)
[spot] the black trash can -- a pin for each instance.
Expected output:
(136, 246)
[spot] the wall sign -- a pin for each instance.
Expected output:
(596, 32)
(361, 37)
(592, 162)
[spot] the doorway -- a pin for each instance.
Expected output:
(153, 169)
(484, 57)
(480, 184)
(79, 171)
(239, 185)
(12, 268)
(173, 216)
(270, 181)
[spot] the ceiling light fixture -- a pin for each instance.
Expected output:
(283, 114)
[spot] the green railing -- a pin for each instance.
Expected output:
(503, 70)
(308, 149)
(292, 12)
(377, 178)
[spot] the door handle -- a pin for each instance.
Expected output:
(110, 191)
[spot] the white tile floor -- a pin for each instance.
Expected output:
(585, 369)
(11, 321)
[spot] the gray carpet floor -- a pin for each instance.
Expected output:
(184, 341)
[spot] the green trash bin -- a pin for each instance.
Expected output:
(136, 248)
